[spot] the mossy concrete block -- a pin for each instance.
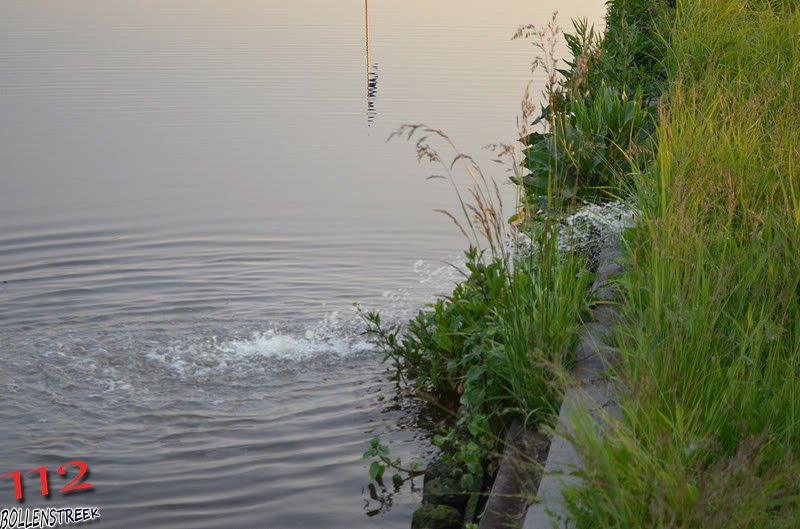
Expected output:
(436, 517)
(442, 485)
(517, 478)
(439, 469)
(445, 492)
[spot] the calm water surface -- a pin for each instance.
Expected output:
(192, 194)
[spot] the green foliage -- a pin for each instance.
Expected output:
(447, 352)
(492, 350)
(495, 348)
(538, 325)
(598, 121)
(589, 145)
(633, 50)
(443, 348)
(381, 453)
(466, 451)
(710, 425)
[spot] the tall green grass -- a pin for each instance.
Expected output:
(545, 303)
(710, 340)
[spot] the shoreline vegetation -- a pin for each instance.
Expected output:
(685, 115)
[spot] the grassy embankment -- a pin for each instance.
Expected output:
(710, 337)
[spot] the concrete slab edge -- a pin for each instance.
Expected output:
(591, 394)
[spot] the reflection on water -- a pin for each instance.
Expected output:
(372, 92)
(372, 72)
(190, 201)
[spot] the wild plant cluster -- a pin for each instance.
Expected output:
(597, 125)
(492, 349)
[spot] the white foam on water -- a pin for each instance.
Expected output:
(339, 333)
(433, 279)
(141, 364)
(258, 354)
(273, 344)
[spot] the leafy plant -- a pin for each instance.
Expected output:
(377, 468)
(441, 349)
(493, 349)
(600, 111)
(589, 145)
